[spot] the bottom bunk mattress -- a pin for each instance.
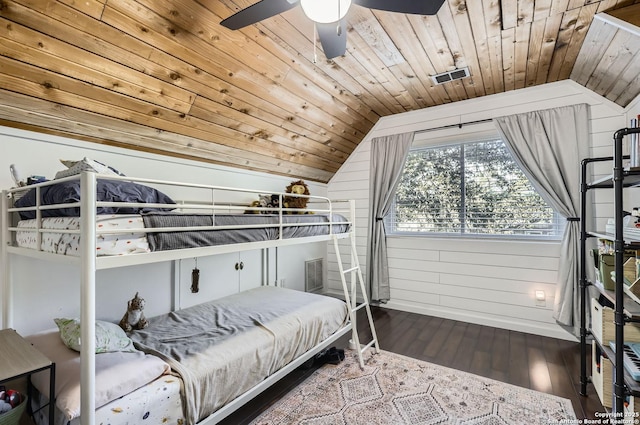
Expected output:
(224, 347)
(158, 402)
(131, 386)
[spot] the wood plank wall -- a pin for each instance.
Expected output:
(485, 282)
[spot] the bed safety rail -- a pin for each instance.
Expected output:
(203, 200)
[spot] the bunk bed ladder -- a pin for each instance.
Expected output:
(356, 272)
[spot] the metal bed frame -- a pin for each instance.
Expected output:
(90, 264)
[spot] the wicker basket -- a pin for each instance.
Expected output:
(12, 417)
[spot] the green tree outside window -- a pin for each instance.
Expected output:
(473, 189)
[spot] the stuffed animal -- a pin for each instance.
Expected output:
(270, 201)
(134, 317)
(260, 203)
(298, 187)
(264, 201)
(9, 399)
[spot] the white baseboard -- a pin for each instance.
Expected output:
(543, 329)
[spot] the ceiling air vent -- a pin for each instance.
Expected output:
(445, 77)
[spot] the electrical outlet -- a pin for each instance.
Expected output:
(281, 282)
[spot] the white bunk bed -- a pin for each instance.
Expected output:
(333, 221)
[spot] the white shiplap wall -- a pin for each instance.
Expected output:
(488, 282)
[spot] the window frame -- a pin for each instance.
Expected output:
(558, 222)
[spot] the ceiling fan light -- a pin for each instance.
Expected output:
(325, 11)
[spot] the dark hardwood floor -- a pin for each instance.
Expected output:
(539, 363)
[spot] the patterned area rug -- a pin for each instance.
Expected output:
(393, 389)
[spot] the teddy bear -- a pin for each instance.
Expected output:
(134, 316)
(298, 187)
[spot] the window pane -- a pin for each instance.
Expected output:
(499, 198)
(428, 196)
(472, 188)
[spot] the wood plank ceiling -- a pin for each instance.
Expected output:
(165, 77)
(608, 62)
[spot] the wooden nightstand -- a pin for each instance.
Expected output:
(18, 358)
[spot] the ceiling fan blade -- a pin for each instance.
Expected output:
(416, 7)
(334, 41)
(257, 12)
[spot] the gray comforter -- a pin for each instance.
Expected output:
(223, 348)
(266, 228)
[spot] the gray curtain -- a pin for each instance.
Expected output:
(549, 145)
(388, 155)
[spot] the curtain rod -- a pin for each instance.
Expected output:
(454, 125)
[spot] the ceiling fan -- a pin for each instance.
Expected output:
(327, 15)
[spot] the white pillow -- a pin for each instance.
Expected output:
(86, 164)
(109, 336)
(117, 374)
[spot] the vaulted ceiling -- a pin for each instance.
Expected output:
(166, 77)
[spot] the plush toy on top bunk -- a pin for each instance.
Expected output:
(264, 201)
(297, 188)
(134, 317)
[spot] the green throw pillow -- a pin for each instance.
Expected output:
(109, 336)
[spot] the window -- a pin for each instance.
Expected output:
(470, 189)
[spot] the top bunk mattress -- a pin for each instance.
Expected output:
(247, 228)
(224, 347)
(55, 240)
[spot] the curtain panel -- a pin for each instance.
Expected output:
(388, 155)
(549, 146)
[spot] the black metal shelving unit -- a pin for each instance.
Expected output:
(625, 309)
